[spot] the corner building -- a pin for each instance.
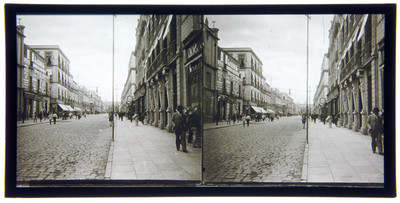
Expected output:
(173, 55)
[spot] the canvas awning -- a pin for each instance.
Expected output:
(262, 110)
(77, 109)
(256, 109)
(362, 30)
(69, 108)
(63, 107)
(270, 111)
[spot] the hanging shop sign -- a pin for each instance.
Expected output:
(193, 50)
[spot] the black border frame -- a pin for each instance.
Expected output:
(126, 188)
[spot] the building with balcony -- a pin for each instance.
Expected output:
(253, 79)
(171, 53)
(320, 103)
(60, 77)
(33, 97)
(356, 57)
(229, 87)
(33, 94)
(20, 72)
(127, 103)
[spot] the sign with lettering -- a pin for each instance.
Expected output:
(193, 50)
(195, 66)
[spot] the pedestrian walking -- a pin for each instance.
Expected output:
(179, 126)
(35, 118)
(23, 117)
(248, 119)
(194, 127)
(234, 118)
(110, 119)
(244, 120)
(40, 116)
(329, 120)
(54, 118)
(228, 119)
(50, 116)
(303, 120)
(375, 126)
(136, 118)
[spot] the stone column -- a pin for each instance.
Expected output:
(364, 110)
(356, 111)
(161, 91)
(169, 110)
(156, 105)
(350, 107)
(344, 104)
(151, 103)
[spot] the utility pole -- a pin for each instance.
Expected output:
(113, 78)
(308, 27)
(116, 89)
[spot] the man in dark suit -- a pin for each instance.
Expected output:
(375, 125)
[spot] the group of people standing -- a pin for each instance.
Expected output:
(186, 122)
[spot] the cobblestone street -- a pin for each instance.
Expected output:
(70, 150)
(263, 152)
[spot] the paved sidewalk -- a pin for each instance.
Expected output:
(340, 155)
(145, 152)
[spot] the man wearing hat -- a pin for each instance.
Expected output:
(375, 125)
(179, 126)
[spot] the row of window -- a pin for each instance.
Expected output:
(39, 88)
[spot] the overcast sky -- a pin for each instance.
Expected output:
(87, 43)
(279, 41)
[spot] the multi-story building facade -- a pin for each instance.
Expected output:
(356, 53)
(229, 87)
(35, 83)
(45, 84)
(60, 77)
(127, 103)
(178, 61)
(32, 80)
(288, 107)
(253, 79)
(173, 54)
(320, 97)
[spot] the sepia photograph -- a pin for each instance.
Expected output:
(201, 99)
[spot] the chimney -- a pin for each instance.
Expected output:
(20, 28)
(215, 31)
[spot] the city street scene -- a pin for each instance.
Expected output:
(268, 90)
(206, 99)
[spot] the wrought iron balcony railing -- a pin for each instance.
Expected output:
(351, 65)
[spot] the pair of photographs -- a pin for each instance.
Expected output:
(256, 100)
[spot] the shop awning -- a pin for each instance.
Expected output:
(270, 111)
(63, 107)
(77, 109)
(256, 109)
(69, 108)
(262, 110)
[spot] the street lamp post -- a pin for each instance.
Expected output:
(308, 26)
